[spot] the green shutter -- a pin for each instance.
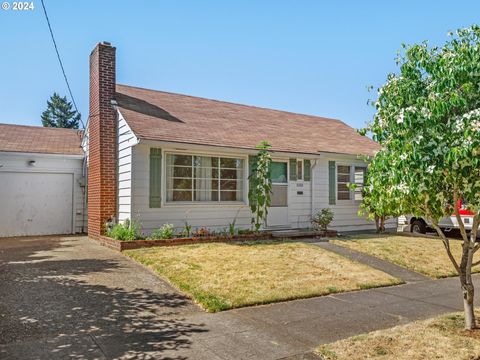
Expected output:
(251, 162)
(331, 182)
(306, 170)
(293, 169)
(155, 176)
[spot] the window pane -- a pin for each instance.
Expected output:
(204, 195)
(182, 184)
(342, 187)
(229, 163)
(185, 160)
(343, 178)
(343, 195)
(181, 195)
(359, 175)
(279, 172)
(299, 169)
(230, 185)
(228, 196)
(182, 171)
(229, 174)
(343, 169)
(359, 181)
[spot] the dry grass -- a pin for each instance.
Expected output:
(224, 276)
(442, 337)
(423, 255)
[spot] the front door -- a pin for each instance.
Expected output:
(278, 212)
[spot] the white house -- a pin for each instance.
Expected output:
(183, 159)
(156, 157)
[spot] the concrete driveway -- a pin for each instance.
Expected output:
(68, 297)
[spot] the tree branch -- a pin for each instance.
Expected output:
(446, 243)
(461, 225)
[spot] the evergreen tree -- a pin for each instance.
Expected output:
(60, 114)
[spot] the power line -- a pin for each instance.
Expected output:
(60, 61)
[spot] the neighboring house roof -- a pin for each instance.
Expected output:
(158, 115)
(36, 139)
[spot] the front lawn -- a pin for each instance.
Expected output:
(223, 276)
(424, 255)
(442, 337)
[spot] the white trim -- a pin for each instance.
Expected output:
(181, 146)
(41, 155)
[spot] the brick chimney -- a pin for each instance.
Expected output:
(102, 131)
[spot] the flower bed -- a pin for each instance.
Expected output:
(120, 245)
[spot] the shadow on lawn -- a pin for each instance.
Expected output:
(46, 313)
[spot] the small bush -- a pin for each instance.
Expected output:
(163, 233)
(126, 231)
(322, 219)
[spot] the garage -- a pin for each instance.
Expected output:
(36, 203)
(41, 181)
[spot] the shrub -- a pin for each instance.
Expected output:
(126, 231)
(322, 219)
(163, 233)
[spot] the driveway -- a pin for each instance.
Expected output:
(68, 297)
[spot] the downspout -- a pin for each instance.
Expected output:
(84, 188)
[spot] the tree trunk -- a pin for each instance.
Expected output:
(382, 224)
(377, 224)
(468, 294)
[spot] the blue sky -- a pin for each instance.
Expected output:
(312, 57)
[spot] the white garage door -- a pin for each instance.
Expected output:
(35, 203)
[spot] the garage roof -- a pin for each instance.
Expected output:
(37, 139)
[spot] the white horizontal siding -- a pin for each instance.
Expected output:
(300, 205)
(346, 216)
(126, 140)
(214, 216)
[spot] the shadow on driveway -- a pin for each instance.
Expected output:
(66, 297)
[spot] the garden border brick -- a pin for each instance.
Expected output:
(137, 244)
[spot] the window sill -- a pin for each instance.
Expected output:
(203, 204)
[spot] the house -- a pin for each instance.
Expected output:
(157, 157)
(41, 181)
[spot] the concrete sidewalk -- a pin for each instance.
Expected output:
(69, 297)
(379, 264)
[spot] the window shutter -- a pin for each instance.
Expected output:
(293, 169)
(306, 170)
(155, 176)
(331, 182)
(251, 162)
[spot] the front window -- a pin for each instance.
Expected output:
(299, 169)
(204, 178)
(343, 179)
(359, 181)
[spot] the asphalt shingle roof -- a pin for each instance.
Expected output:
(36, 139)
(158, 115)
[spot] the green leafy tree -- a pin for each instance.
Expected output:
(378, 204)
(427, 122)
(60, 113)
(259, 193)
